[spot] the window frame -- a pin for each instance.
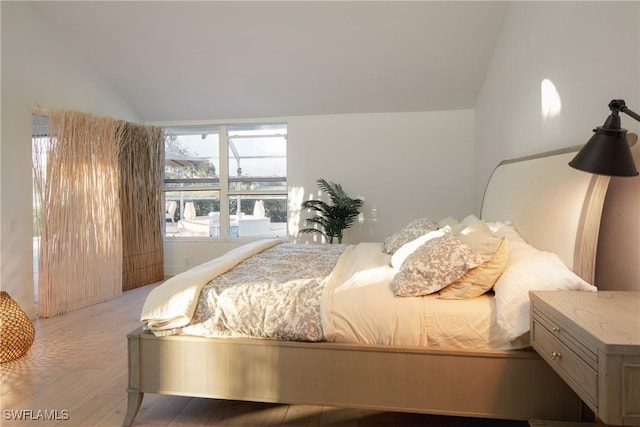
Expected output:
(224, 179)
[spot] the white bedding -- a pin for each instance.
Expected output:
(358, 305)
(364, 310)
(356, 302)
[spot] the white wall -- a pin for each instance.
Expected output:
(404, 165)
(591, 53)
(589, 50)
(37, 71)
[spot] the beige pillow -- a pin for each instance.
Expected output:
(433, 266)
(479, 238)
(408, 233)
(480, 279)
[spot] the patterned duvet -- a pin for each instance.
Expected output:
(275, 294)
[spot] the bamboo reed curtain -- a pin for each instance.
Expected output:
(76, 176)
(142, 173)
(99, 209)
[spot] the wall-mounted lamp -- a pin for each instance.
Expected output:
(608, 152)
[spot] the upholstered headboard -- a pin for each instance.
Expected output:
(553, 206)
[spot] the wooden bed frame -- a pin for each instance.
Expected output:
(553, 206)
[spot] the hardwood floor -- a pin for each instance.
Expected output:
(75, 374)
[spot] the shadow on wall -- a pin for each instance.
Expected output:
(618, 266)
(294, 200)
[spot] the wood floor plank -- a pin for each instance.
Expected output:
(160, 409)
(235, 413)
(78, 364)
(339, 417)
(196, 413)
(303, 416)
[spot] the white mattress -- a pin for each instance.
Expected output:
(364, 310)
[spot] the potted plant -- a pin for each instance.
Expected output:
(331, 219)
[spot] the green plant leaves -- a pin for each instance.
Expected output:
(331, 219)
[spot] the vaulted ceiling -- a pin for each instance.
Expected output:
(201, 60)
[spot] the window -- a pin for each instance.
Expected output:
(226, 180)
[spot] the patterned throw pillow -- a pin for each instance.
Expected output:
(407, 249)
(408, 233)
(434, 265)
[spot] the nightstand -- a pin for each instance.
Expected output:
(592, 340)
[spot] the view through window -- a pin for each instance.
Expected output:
(226, 180)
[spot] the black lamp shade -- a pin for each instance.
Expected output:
(606, 153)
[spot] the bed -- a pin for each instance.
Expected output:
(553, 207)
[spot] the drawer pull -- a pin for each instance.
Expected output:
(556, 329)
(556, 355)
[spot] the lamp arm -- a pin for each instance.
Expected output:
(630, 113)
(619, 105)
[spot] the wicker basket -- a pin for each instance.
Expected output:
(16, 331)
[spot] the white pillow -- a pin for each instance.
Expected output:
(528, 269)
(450, 221)
(495, 226)
(470, 219)
(407, 249)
